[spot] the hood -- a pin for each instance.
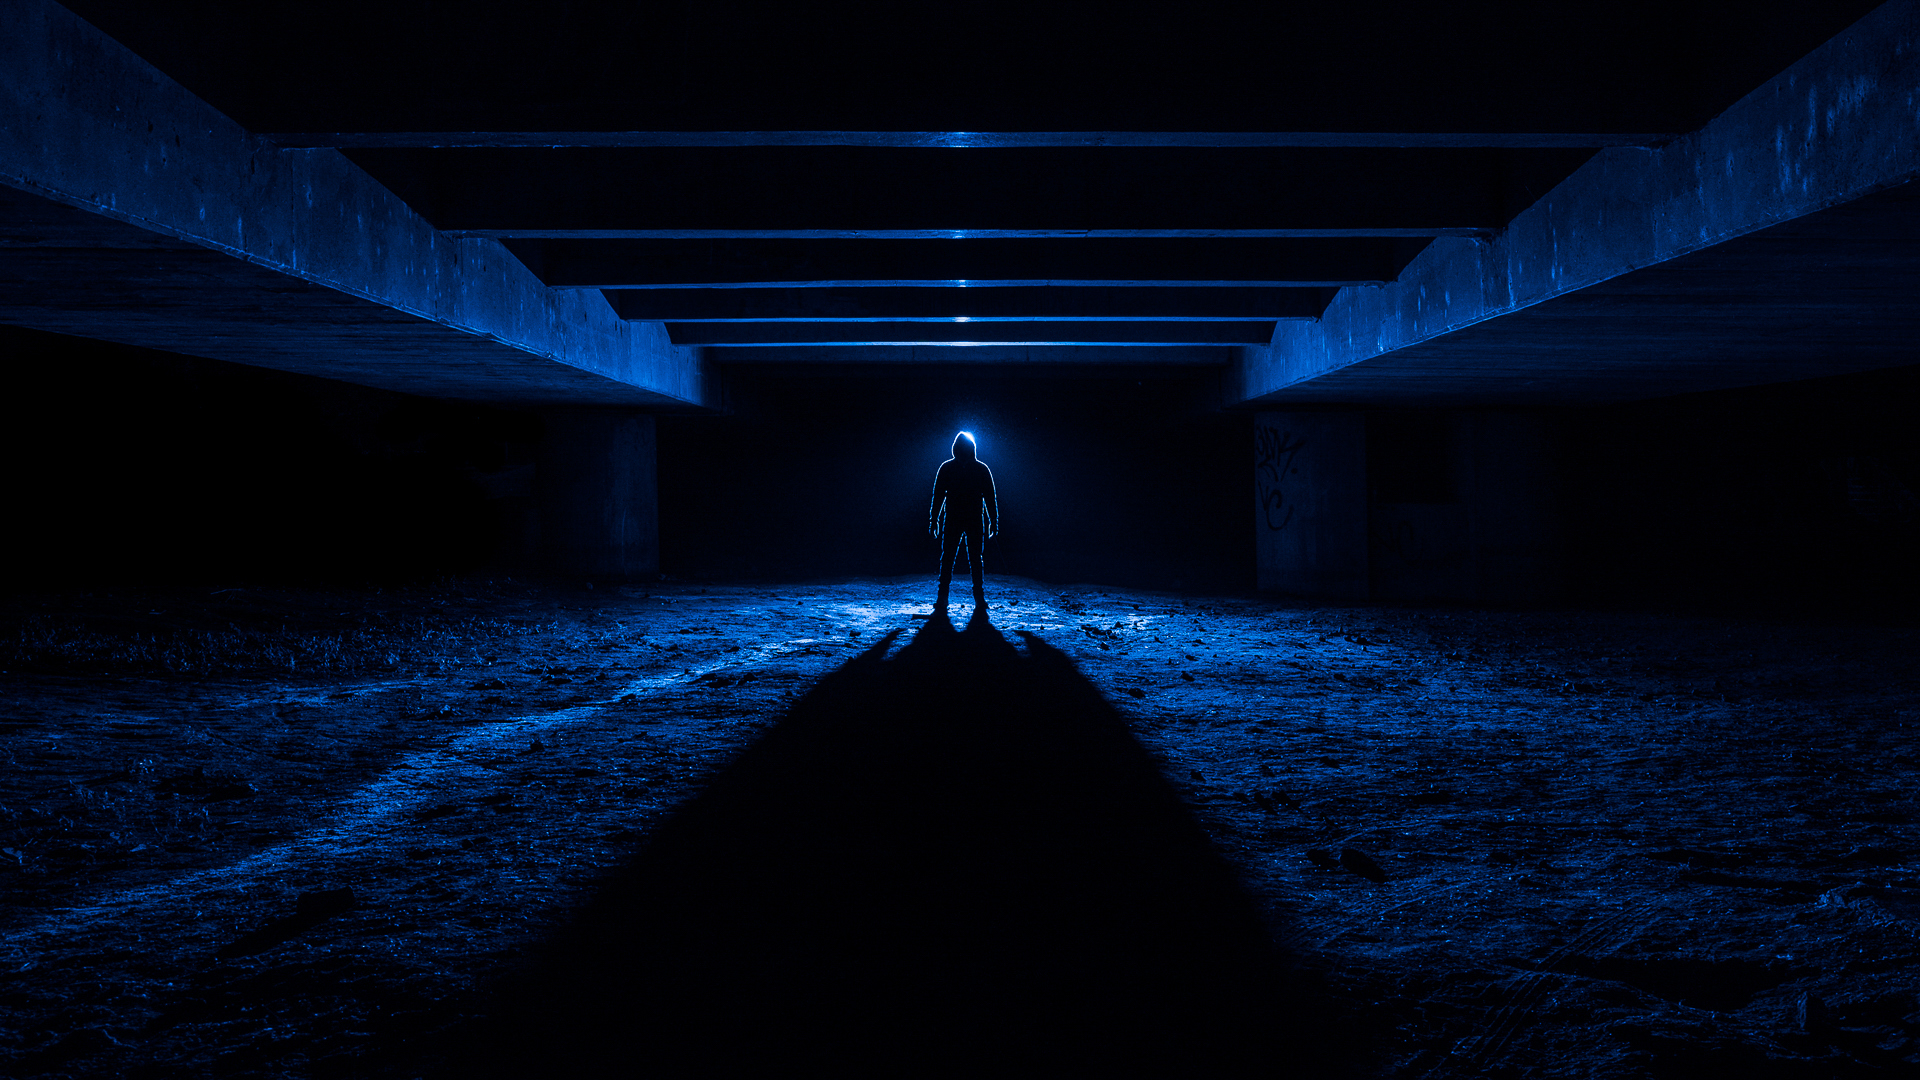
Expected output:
(963, 447)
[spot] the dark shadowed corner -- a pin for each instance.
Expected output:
(954, 859)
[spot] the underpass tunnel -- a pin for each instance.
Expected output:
(474, 600)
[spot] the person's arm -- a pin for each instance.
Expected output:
(993, 505)
(939, 496)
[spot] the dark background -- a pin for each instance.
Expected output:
(133, 466)
(1121, 478)
(138, 467)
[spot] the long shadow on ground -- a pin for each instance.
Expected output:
(955, 859)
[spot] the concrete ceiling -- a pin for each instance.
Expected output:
(740, 184)
(1833, 292)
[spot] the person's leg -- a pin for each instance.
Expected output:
(976, 552)
(949, 543)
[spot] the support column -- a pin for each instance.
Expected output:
(599, 503)
(1310, 480)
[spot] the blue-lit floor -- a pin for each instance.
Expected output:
(1610, 843)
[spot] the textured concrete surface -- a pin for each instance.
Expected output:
(1833, 292)
(1609, 845)
(86, 123)
(1836, 126)
(1310, 483)
(598, 493)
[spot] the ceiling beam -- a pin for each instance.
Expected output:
(938, 304)
(1449, 68)
(970, 333)
(1836, 126)
(866, 191)
(1426, 140)
(819, 357)
(86, 124)
(1290, 263)
(1833, 292)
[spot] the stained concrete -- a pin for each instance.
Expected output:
(1835, 127)
(74, 272)
(87, 124)
(1833, 292)
(1310, 520)
(598, 493)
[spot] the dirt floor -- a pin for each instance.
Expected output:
(283, 833)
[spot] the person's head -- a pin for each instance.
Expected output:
(964, 448)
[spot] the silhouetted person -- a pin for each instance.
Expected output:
(963, 507)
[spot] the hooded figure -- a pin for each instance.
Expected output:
(963, 506)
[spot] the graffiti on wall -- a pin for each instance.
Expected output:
(1273, 454)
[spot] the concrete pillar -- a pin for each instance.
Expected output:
(1310, 521)
(599, 504)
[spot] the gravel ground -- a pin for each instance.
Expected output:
(285, 833)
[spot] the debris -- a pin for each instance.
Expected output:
(1274, 797)
(1323, 859)
(1197, 775)
(1136, 692)
(490, 684)
(1187, 675)
(1361, 863)
(1810, 1013)
(1432, 797)
(537, 747)
(443, 810)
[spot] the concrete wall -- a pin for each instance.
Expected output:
(1448, 507)
(598, 494)
(1464, 507)
(1795, 497)
(1310, 514)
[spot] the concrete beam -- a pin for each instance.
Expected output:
(460, 140)
(1026, 193)
(86, 124)
(945, 305)
(1115, 355)
(1841, 123)
(1106, 332)
(1185, 262)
